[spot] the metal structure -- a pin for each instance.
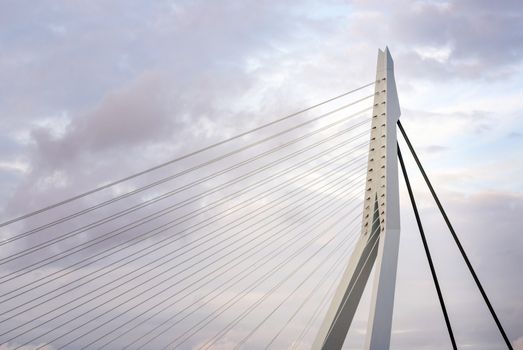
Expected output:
(378, 243)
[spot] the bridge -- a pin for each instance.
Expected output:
(267, 237)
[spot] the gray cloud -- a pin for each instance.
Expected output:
(95, 91)
(446, 40)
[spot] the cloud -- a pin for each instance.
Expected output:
(186, 72)
(435, 149)
(26, 347)
(96, 91)
(451, 39)
(518, 344)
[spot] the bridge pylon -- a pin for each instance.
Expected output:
(378, 243)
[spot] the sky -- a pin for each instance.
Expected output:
(91, 91)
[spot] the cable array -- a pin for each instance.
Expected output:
(191, 154)
(271, 210)
(242, 240)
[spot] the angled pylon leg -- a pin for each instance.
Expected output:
(378, 243)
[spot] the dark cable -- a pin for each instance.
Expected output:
(427, 251)
(456, 239)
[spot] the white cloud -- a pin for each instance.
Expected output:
(16, 165)
(25, 347)
(518, 344)
(439, 54)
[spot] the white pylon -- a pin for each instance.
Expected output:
(378, 243)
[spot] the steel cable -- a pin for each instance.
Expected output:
(180, 340)
(56, 257)
(113, 268)
(175, 191)
(156, 294)
(57, 316)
